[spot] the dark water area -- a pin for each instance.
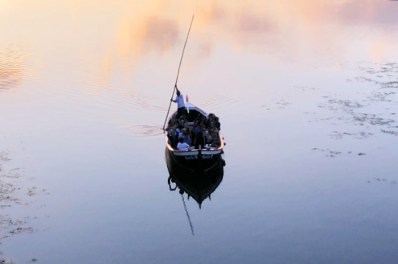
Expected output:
(307, 95)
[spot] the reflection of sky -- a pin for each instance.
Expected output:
(277, 64)
(11, 71)
(126, 30)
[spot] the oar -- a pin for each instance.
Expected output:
(178, 73)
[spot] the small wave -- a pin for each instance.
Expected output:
(218, 101)
(146, 130)
(11, 70)
(129, 101)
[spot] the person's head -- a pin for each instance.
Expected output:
(181, 139)
(178, 93)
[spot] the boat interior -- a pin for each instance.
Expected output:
(197, 129)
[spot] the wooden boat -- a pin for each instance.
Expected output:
(207, 144)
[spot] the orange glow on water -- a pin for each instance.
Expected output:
(124, 32)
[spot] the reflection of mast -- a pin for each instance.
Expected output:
(187, 213)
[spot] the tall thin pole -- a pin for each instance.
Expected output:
(178, 73)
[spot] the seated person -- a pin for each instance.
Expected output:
(173, 136)
(182, 145)
(207, 137)
(184, 133)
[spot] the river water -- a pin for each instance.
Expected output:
(307, 95)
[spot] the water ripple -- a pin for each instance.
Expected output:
(11, 70)
(377, 107)
(146, 130)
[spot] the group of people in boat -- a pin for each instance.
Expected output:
(192, 130)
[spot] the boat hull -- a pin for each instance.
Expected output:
(193, 161)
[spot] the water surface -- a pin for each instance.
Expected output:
(307, 97)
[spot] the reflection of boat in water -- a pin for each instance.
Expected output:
(207, 143)
(198, 185)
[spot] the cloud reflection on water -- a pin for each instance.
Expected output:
(123, 33)
(11, 67)
(242, 52)
(289, 30)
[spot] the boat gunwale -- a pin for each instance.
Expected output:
(194, 150)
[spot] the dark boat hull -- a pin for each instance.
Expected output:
(199, 163)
